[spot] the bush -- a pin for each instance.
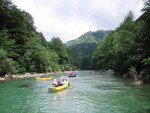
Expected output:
(8, 66)
(133, 71)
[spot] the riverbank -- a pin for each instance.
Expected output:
(135, 81)
(27, 75)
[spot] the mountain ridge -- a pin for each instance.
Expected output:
(86, 44)
(90, 36)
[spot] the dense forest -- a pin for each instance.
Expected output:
(85, 45)
(127, 49)
(23, 49)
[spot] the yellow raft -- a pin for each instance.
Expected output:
(44, 78)
(66, 83)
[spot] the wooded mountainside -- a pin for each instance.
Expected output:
(126, 50)
(85, 45)
(23, 49)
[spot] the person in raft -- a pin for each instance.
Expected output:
(59, 82)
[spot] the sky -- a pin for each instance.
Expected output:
(69, 19)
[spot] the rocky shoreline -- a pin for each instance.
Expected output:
(22, 76)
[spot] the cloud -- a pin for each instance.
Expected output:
(68, 19)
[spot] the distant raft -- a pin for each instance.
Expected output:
(72, 75)
(44, 78)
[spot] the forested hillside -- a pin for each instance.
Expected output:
(23, 49)
(85, 45)
(90, 37)
(127, 49)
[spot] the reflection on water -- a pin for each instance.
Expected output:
(62, 92)
(88, 93)
(59, 95)
(25, 86)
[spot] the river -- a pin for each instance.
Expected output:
(89, 92)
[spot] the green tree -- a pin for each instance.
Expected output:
(118, 50)
(8, 66)
(60, 49)
(25, 46)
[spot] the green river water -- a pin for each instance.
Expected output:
(89, 92)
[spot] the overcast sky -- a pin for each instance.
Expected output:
(69, 19)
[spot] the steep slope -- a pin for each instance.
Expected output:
(83, 46)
